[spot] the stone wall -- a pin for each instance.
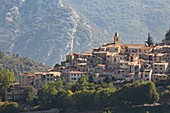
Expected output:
(45, 111)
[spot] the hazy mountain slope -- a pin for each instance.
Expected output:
(132, 18)
(45, 30)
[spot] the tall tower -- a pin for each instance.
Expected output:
(116, 38)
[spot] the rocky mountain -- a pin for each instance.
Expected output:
(46, 30)
(132, 18)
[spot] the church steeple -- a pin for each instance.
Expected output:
(116, 38)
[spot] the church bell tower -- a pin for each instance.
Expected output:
(116, 38)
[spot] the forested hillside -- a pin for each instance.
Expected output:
(19, 64)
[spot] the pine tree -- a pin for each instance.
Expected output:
(167, 35)
(149, 42)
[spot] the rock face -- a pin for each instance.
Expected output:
(45, 30)
(132, 18)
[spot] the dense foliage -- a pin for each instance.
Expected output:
(86, 96)
(143, 109)
(7, 80)
(19, 64)
(9, 107)
(29, 94)
(165, 96)
(137, 94)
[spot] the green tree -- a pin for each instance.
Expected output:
(10, 107)
(59, 84)
(102, 97)
(165, 96)
(149, 42)
(102, 84)
(7, 80)
(47, 95)
(138, 93)
(64, 100)
(167, 35)
(69, 85)
(83, 100)
(29, 94)
(83, 80)
(83, 84)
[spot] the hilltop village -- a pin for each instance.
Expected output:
(115, 61)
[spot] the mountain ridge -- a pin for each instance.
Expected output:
(46, 30)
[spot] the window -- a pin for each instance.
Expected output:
(114, 59)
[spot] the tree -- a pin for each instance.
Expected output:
(64, 100)
(167, 35)
(102, 97)
(83, 79)
(83, 84)
(149, 42)
(83, 100)
(1, 54)
(165, 97)
(59, 84)
(47, 95)
(69, 85)
(29, 94)
(7, 80)
(9, 107)
(138, 94)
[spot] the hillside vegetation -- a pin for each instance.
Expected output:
(20, 64)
